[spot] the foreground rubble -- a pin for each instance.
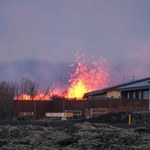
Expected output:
(79, 136)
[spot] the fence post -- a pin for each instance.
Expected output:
(129, 119)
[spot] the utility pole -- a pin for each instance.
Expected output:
(123, 79)
(34, 111)
(133, 77)
(64, 105)
(149, 96)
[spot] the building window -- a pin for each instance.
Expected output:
(145, 94)
(140, 95)
(134, 95)
(128, 95)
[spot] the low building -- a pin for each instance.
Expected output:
(136, 89)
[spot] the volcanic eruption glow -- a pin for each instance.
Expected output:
(77, 90)
(89, 75)
(40, 96)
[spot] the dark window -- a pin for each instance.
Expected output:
(128, 95)
(145, 94)
(134, 95)
(140, 95)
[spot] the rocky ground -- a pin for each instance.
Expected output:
(85, 135)
(80, 136)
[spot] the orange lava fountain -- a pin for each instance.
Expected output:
(88, 76)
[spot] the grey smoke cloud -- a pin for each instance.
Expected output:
(43, 73)
(52, 31)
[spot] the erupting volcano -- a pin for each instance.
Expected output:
(87, 75)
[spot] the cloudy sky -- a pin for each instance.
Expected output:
(39, 38)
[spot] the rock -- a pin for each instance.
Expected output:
(142, 129)
(3, 142)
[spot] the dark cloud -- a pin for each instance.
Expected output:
(43, 73)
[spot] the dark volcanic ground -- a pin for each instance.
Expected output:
(80, 136)
(91, 134)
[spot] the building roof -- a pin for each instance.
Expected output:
(134, 84)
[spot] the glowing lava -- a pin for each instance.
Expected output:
(40, 96)
(88, 75)
(77, 90)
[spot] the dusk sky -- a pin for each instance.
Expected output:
(39, 38)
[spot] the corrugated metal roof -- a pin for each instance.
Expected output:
(128, 85)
